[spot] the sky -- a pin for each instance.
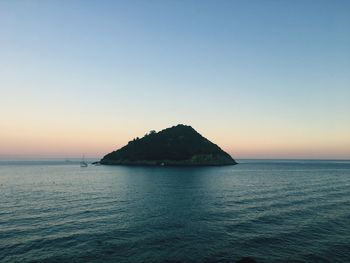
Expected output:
(262, 79)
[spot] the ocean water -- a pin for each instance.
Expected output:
(273, 211)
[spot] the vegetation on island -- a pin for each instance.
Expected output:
(178, 145)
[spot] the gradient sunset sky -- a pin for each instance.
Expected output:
(262, 79)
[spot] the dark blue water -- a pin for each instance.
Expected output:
(273, 211)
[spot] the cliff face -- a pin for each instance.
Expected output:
(178, 145)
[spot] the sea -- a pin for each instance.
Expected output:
(269, 210)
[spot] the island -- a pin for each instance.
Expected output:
(179, 145)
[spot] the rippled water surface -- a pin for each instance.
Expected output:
(273, 211)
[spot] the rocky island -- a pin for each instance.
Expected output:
(178, 145)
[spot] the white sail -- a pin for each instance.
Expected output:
(83, 163)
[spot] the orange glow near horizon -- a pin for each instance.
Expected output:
(95, 141)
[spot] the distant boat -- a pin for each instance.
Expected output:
(83, 163)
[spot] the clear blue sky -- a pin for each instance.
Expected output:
(263, 79)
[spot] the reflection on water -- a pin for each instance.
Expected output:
(272, 211)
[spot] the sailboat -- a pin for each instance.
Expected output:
(83, 163)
